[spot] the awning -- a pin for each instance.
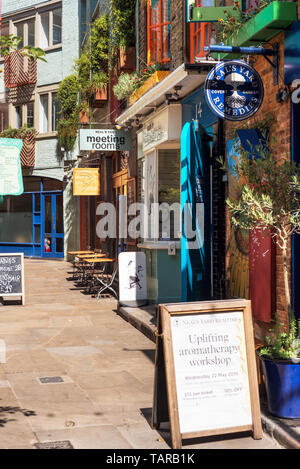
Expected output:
(188, 76)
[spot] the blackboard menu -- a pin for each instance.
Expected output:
(11, 274)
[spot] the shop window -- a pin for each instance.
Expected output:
(51, 28)
(200, 35)
(169, 192)
(16, 216)
(162, 186)
(158, 31)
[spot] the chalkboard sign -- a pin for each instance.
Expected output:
(12, 275)
(206, 351)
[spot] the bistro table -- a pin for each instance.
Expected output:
(105, 280)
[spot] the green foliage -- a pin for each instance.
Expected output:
(282, 345)
(12, 42)
(270, 199)
(128, 83)
(67, 132)
(18, 133)
(229, 26)
(68, 95)
(122, 20)
(92, 66)
(69, 111)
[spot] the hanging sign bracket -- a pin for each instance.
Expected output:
(251, 50)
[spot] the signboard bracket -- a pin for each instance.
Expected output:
(251, 50)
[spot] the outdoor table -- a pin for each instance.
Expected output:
(75, 253)
(105, 280)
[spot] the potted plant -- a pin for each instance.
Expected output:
(270, 201)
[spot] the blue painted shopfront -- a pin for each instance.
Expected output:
(196, 190)
(32, 223)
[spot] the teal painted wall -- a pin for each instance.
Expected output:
(163, 276)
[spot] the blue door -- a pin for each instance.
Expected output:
(52, 225)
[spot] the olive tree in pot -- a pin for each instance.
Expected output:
(270, 201)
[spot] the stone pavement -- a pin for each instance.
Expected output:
(75, 371)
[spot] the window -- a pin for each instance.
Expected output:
(29, 114)
(26, 31)
(50, 28)
(55, 111)
(44, 113)
(200, 34)
(56, 37)
(48, 112)
(18, 117)
(158, 31)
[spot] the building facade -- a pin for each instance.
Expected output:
(43, 221)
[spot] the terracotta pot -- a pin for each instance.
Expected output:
(101, 94)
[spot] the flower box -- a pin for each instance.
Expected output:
(262, 27)
(84, 117)
(152, 81)
(100, 96)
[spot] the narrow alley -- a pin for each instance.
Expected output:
(75, 374)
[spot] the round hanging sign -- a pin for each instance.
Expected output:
(234, 90)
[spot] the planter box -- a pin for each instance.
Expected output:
(127, 59)
(156, 78)
(264, 26)
(19, 70)
(84, 117)
(28, 151)
(100, 96)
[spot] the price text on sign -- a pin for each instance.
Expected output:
(12, 275)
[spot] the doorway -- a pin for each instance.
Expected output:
(52, 225)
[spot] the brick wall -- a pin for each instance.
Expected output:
(281, 149)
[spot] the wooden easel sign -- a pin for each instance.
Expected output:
(12, 276)
(205, 370)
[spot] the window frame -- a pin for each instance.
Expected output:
(24, 23)
(198, 34)
(49, 12)
(49, 93)
(159, 52)
(23, 114)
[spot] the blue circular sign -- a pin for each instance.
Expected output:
(234, 90)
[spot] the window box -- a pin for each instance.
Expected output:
(84, 117)
(270, 21)
(127, 59)
(28, 150)
(100, 96)
(156, 78)
(19, 70)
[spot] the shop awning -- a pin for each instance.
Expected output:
(188, 76)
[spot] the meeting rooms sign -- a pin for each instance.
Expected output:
(104, 140)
